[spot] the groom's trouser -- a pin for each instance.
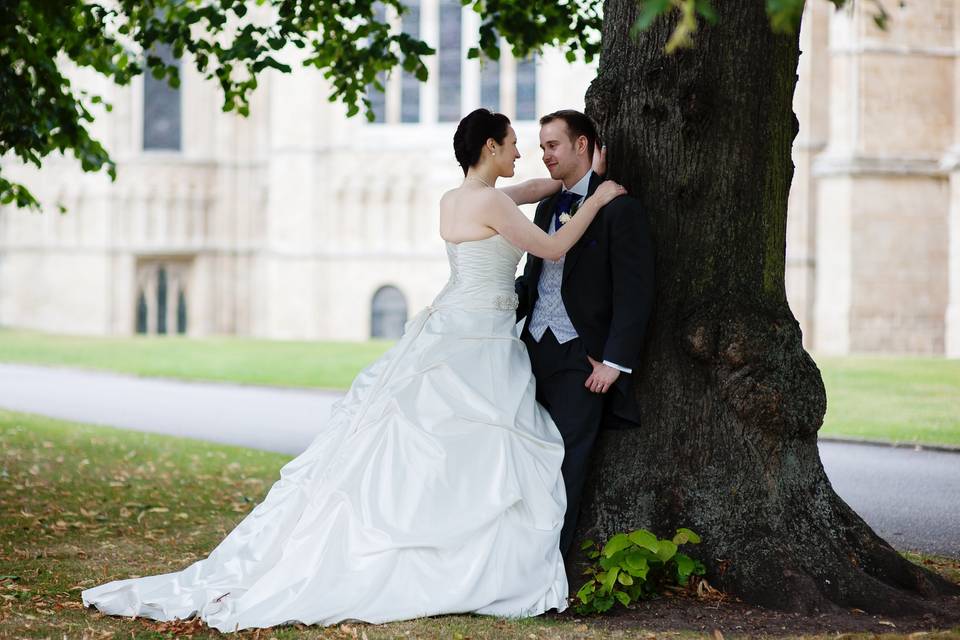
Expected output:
(561, 371)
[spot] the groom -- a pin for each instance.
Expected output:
(586, 313)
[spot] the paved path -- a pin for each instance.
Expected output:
(910, 497)
(273, 419)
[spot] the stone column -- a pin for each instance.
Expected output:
(811, 106)
(882, 198)
(951, 163)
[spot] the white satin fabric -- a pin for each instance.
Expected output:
(435, 488)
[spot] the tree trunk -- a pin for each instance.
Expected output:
(730, 400)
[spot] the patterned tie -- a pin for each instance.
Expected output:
(563, 205)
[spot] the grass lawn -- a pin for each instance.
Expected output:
(81, 505)
(328, 365)
(903, 399)
(899, 399)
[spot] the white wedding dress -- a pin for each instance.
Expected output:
(435, 488)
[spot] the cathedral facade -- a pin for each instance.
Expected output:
(299, 223)
(873, 237)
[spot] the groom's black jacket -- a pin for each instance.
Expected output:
(607, 290)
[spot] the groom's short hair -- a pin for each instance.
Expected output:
(578, 124)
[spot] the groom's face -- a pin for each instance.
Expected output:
(564, 158)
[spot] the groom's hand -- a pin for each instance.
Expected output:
(600, 161)
(602, 378)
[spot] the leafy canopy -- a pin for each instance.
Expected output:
(232, 41)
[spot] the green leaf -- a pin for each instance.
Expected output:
(645, 539)
(650, 11)
(685, 566)
(603, 603)
(616, 543)
(684, 536)
(785, 15)
(625, 579)
(585, 594)
(609, 579)
(667, 550)
(586, 544)
(706, 11)
(622, 597)
(636, 559)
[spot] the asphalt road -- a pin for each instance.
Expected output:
(910, 497)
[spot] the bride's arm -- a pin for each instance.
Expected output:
(513, 225)
(530, 191)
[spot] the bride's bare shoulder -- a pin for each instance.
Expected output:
(465, 199)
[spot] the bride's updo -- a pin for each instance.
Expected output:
(473, 132)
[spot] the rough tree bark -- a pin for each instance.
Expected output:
(731, 402)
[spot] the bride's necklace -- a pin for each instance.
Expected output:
(480, 180)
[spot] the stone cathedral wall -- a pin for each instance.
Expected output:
(288, 224)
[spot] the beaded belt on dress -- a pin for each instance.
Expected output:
(501, 302)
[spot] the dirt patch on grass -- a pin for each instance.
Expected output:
(734, 618)
(709, 611)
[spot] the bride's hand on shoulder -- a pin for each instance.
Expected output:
(607, 191)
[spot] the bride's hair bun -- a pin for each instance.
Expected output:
(473, 132)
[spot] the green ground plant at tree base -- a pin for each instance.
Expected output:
(634, 566)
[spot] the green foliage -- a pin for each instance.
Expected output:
(232, 41)
(636, 565)
(529, 25)
(784, 17)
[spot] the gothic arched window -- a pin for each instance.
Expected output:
(181, 312)
(448, 60)
(161, 107)
(527, 89)
(377, 97)
(388, 313)
(409, 85)
(161, 300)
(141, 312)
(490, 84)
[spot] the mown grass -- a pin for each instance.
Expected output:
(327, 365)
(896, 399)
(81, 505)
(900, 399)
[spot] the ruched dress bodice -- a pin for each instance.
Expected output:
(482, 274)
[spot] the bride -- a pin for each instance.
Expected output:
(436, 486)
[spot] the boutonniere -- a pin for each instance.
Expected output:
(565, 217)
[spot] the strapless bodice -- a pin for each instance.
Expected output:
(482, 274)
